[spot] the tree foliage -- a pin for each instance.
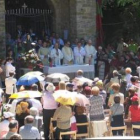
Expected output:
(128, 13)
(134, 3)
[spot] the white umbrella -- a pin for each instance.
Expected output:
(34, 73)
(57, 77)
(81, 80)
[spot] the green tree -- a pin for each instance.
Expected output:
(128, 14)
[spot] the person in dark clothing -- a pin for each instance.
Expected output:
(27, 43)
(116, 113)
(22, 110)
(81, 118)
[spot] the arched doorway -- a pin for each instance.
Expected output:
(28, 14)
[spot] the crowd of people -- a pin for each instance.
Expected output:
(52, 50)
(23, 119)
(118, 91)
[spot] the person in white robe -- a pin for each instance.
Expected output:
(43, 53)
(9, 67)
(90, 53)
(79, 53)
(56, 55)
(68, 54)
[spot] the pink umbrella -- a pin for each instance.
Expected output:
(81, 99)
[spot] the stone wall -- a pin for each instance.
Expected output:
(61, 16)
(86, 19)
(76, 16)
(73, 20)
(2, 29)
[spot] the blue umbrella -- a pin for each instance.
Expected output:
(28, 80)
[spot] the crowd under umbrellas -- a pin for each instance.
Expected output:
(61, 96)
(63, 103)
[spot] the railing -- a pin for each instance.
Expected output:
(27, 11)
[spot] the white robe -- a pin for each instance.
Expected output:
(79, 55)
(10, 84)
(9, 68)
(56, 58)
(42, 53)
(90, 50)
(68, 55)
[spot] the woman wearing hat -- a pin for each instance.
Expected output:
(7, 117)
(49, 107)
(134, 114)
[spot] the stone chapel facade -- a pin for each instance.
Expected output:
(76, 16)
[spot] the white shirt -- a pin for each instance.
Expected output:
(49, 101)
(9, 67)
(56, 58)
(10, 84)
(127, 78)
(79, 55)
(13, 105)
(36, 104)
(1, 91)
(4, 127)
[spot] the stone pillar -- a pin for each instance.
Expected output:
(65, 17)
(61, 16)
(2, 29)
(73, 21)
(86, 19)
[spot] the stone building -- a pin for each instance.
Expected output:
(77, 17)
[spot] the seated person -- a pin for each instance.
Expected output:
(62, 115)
(116, 112)
(81, 118)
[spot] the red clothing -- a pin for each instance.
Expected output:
(56, 88)
(135, 113)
